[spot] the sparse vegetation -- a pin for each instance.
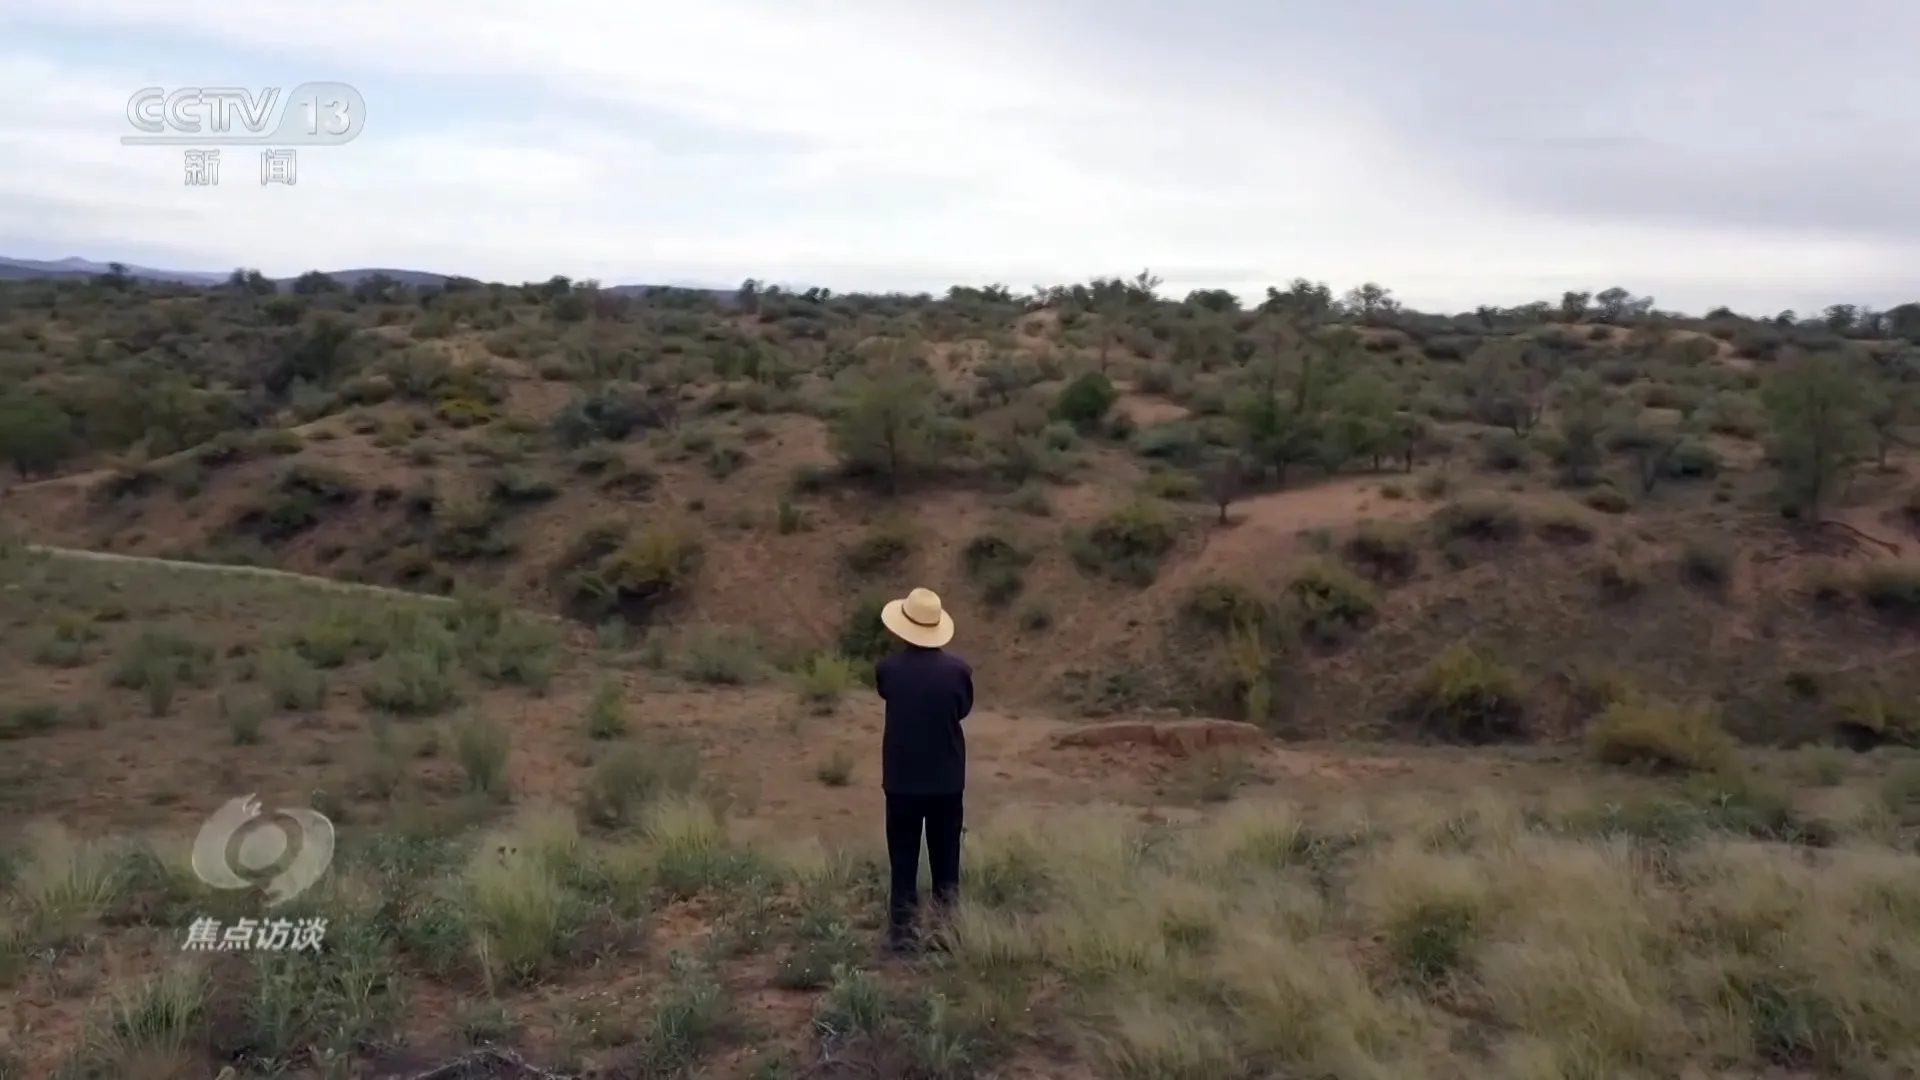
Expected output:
(607, 712)
(602, 770)
(1466, 696)
(1661, 736)
(1126, 545)
(883, 547)
(824, 679)
(996, 566)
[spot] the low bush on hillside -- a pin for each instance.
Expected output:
(1481, 518)
(1385, 551)
(883, 547)
(1876, 718)
(1708, 563)
(1465, 696)
(1220, 606)
(996, 566)
(721, 656)
(824, 678)
(1662, 736)
(1607, 500)
(1892, 592)
(863, 637)
(301, 498)
(1085, 401)
(608, 573)
(1565, 525)
(1127, 545)
(1329, 603)
(1620, 576)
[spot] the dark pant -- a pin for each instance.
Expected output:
(939, 816)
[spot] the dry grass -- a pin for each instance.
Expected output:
(1395, 938)
(634, 929)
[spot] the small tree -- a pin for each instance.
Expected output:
(1224, 476)
(1583, 417)
(1510, 387)
(36, 435)
(1359, 422)
(1651, 449)
(1818, 413)
(1890, 408)
(1085, 401)
(884, 426)
(1405, 436)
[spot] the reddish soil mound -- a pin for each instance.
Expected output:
(1178, 737)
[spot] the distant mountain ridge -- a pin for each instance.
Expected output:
(73, 266)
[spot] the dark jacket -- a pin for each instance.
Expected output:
(928, 693)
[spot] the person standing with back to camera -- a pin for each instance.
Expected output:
(923, 758)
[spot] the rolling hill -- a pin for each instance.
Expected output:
(1529, 694)
(75, 267)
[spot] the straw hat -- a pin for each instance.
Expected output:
(919, 619)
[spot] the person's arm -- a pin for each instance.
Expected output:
(880, 679)
(966, 690)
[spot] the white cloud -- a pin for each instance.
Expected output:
(856, 144)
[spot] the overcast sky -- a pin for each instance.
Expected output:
(1760, 153)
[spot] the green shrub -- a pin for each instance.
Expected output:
(245, 714)
(1505, 452)
(863, 637)
(1660, 736)
(1483, 518)
(1708, 563)
(836, 771)
(292, 684)
(159, 663)
(482, 747)
(824, 678)
(1465, 697)
(1565, 525)
(1892, 591)
(1596, 688)
(1221, 606)
(1127, 545)
(721, 657)
(1330, 603)
(419, 679)
(1384, 551)
(632, 778)
(335, 641)
(1179, 443)
(637, 577)
(1871, 719)
(65, 645)
(725, 460)
(607, 711)
(884, 547)
(1620, 576)
(20, 721)
(1607, 500)
(995, 565)
(1693, 460)
(1084, 401)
